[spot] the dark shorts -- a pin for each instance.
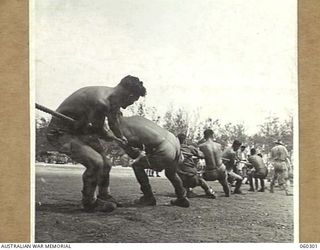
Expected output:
(189, 181)
(163, 156)
(260, 174)
(215, 174)
(85, 149)
(60, 136)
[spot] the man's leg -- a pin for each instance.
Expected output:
(89, 180)
(260, 176)
(190, 193)
(104, 183)
(273, 180)
(245, 174)
(175, 180)
(103, 173)
(250, 177)
(223, 180)
(262, 185)
(238, 179)
(283, 179)
(148, 198)
(93, 161)
(188, 182)
(256, 183)
(207, 189)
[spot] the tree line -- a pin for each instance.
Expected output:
(181, 121)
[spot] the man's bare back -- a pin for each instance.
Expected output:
(139, 130)
(214, 169)
(88, 105)
(162, 153)
(213, 154)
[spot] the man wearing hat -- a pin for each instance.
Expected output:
(282, 166)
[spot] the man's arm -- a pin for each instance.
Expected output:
(108, 135)
(196, 152)
(133, 152)
(113, 122)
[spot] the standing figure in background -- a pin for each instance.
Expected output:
(242, 167)
(282, 166)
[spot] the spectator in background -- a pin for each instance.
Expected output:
(282, 166)
(242, 167)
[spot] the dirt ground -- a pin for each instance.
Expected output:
(250, 217)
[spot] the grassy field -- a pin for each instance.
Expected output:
(251, 217)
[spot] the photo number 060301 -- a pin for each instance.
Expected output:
(164, 121)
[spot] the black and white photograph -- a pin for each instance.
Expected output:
(164, 121)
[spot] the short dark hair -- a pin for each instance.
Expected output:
(133, 85)
(253, 151)
(181, 137)
(208, 133)
(236, 143)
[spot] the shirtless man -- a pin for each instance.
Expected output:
(230, 160)
(89, 106)
(162, 151)
(282, 166)
(259, 170)
(214, 169)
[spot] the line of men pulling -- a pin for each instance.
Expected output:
(230, 166)
(143, 140)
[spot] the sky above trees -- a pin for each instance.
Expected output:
(229, 60)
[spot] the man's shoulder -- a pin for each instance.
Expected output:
(210, 144)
